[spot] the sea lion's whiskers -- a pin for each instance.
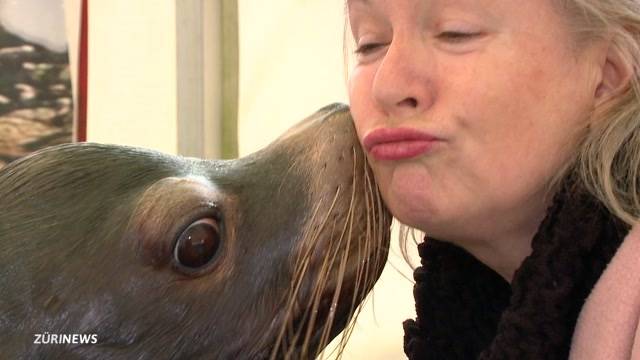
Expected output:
(381, 246)
(364, 271)
(309, 239)
(293, 165)
(378, 226)
(320, 284)
(345, 254)
(310, 314)
(364, 268)
(370, 190)
(319, 288)
(379, 206)
(340, 278)
(325, 271)
(302, 261)
(370, 230)
(306, 255)
(374, 232)
(287, 323)
(334, 302)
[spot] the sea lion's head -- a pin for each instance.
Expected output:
(168, 257)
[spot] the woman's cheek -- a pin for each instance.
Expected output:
(358, 99)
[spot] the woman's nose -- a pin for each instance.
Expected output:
(403, 82)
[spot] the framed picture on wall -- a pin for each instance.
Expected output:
(37, 106)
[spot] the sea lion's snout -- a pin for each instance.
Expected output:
(344, 243)
(162, 256)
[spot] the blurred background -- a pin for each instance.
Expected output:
(206, 78)
(36, 108)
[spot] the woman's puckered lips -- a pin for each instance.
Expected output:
(398, 143)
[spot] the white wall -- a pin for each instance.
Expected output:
(290, 65)
(132, 73)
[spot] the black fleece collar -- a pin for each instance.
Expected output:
(467, 311)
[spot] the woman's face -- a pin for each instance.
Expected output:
(467, 107)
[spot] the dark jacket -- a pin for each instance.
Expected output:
(467, 311)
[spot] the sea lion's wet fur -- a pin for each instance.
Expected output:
(87, 234)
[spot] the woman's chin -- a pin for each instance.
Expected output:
(409, 195)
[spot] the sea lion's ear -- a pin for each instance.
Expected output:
(179, 222)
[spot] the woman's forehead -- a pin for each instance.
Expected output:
(432, 5)
(491, 11)
(471, 4)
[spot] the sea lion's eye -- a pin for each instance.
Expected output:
(198, 243)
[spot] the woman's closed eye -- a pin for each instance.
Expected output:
(457, 36)
(368, 48)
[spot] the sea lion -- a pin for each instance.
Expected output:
(118, 252)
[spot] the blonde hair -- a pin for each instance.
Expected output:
(608, 157)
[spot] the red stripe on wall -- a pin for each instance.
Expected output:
(83, 72)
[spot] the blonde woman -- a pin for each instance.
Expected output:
(509, 132)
